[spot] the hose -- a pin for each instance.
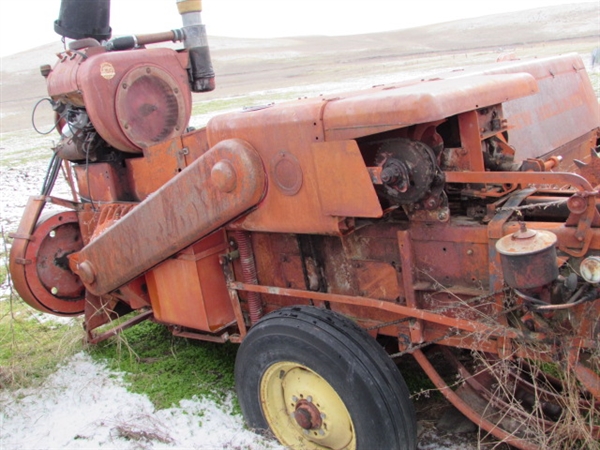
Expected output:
(539, 305)
(51, 174)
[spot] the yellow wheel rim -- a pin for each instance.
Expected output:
(303, 410)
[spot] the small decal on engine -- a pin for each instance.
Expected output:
(107, 71)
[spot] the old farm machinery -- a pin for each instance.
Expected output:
(453, 218)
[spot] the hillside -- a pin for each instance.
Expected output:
(308, 65)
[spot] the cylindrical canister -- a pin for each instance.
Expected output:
(528, 258)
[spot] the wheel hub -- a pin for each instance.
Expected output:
(307, 415)
(316, 417)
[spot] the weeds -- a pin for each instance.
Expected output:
(550, 412)
(30, 347)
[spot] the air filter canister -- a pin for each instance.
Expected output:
(528, 258)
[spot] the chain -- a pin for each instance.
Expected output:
(538, 205)
(387, 324)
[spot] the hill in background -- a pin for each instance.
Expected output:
(312, 63)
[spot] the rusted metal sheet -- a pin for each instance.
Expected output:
(344, 186)
(589, 379)
(184, 210)
(565, 107)
(160, 163)
(283, 136)
(390, 108)
(102, 182)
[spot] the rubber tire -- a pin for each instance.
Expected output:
(349, 359)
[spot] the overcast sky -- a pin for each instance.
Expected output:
(25, 24)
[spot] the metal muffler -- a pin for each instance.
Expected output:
(84, 19)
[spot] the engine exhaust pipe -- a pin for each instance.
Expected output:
(202, 76)
(84, 19)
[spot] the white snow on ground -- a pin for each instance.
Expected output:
(84, 405)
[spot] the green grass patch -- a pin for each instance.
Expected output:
(167, 368)
(244, 101)
(31, 348)
(3, 266)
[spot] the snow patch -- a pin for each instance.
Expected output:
(86, 405)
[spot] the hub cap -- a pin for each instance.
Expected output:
(303, 410)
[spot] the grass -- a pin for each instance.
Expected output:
(167, 368)
(30, 347)
(214, 106)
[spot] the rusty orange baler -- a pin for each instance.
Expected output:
(454, 216)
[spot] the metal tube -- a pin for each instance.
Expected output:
(202, 76)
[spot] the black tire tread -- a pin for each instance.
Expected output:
(386, 378)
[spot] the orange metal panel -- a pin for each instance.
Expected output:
(344, 186)
(189, 290)
(565, 108)
(196, 144)
(282, 135)
(101, 182)
(160, 163)
(391, 108)
(471, 141)
(377, 280)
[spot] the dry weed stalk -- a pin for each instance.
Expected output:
(142, 429)
(549, 410)
(535, 397)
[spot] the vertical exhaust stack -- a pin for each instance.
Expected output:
(84, 19)
(202, 76)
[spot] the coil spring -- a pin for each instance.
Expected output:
(249, 274)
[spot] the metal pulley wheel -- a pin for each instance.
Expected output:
(44, 279)
(409, 169)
